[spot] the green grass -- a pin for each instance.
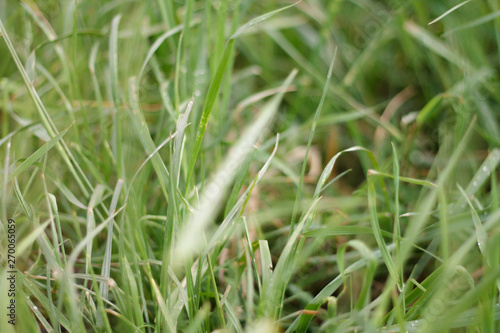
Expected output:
(243, 166)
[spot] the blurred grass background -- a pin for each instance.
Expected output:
(151, 192)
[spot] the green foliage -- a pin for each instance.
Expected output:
(250, 166)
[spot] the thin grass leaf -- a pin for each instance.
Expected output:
(154, 153)
(435, 45)
(53, 81)
(259, 19)
(449, 11)
(22, 201)
(429, 110)
(329, 167)
(77, 173)
(397, 226)
(403, 179)
(67, 193)
(377, 232)
(382, 36)
(38, 17)
(156, 45)
(346, 117)
(216, 293)
(38, 154)
(182, 123)
(196, 324)
(371, 260)
(134, 293)
(212, 195)
(250, 265)
(215, 86)
(106, 262)
(35, 128)
(116, 130)
(57, 221)
(309, 142)
(100, 312)
(266, 265)
(88, 238)
(343, 231)
(482, 237)
(255, 98)
(413, 230)
(238, 184)
(163, 306)
(29, 239)
(208, 107)
(480, 177)
(179, 297)
(474, 23)
(233, 318)
(334, 180)
(4, 184)
(302, 322)
(94, 199)
(449, 284)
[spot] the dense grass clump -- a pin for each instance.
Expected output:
(251, 166)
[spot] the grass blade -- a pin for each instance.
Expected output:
(309, 142)
(482, 237)
(377, 232)
(449, 11)
(38, 154)
(215, 86)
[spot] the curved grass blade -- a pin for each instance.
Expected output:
(329, 167)
(343, 231)
(68, 158)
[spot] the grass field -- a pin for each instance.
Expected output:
(250, 166)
